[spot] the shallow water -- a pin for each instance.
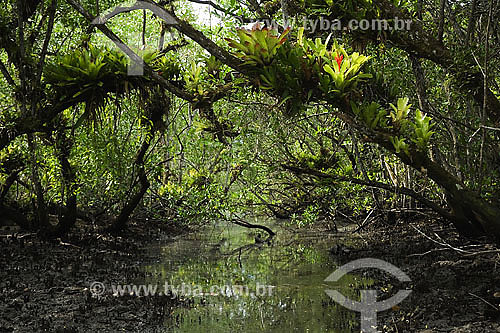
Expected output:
(237, 285)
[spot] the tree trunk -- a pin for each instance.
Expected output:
(68, 218)
(120, 222)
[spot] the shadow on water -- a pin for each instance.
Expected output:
(236, 284)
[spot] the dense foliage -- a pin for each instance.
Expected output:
(298, 123)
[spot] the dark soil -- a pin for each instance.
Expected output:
(452, 290)
(44, 285)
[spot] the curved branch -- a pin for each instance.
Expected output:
(253, 226)
(216, 6)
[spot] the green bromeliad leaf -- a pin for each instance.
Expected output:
(423, 131)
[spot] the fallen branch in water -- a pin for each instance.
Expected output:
(245, 224)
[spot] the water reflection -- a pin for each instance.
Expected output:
(294, 264)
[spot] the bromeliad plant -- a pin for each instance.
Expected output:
(91, 75)
(396, 124)
(310, 69)
(85, 72)
(400, 112)
(259, 45)
(167, 66)
(423, 131)
(214, 67)
(373, 115)
(400, 144)
(344, 70)
(193, 78)
(299, 72)
(88, 75)
(400, 124)
(94, 72)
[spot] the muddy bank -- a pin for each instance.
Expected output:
(455, 282)
(44, 286)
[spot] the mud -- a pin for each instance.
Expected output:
(455, 281)
(44, 285)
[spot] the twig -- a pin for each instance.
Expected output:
(441, 243)
(490, 128)
(485, 97)
(347, 217)
(364, 222)
(215, 6)
(482, 252)
(67, 244)
(446, 249)
(485, 301)
(474, 134)
(428, 252)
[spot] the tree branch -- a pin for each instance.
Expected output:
(373, 184)
(147, 69)
(6, 74)
(215, 6)
(48, 35)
